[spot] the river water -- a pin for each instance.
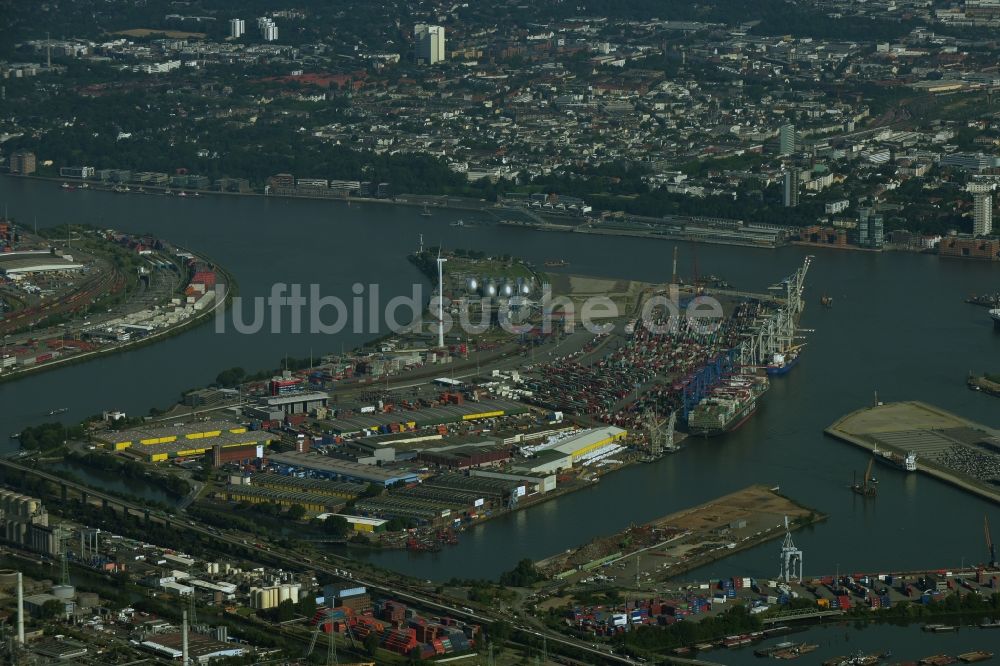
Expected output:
(898, 325)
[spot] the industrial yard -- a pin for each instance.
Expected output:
(947, 446)
(644, 556)
(77, 291)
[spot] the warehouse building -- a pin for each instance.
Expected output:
(339, 489)
(466, 455)
(297, 403)
(546, 462)
(364, 524)
(155, 444)
(311, 502)
(590, 441)
(202, 648)
(18, 263)
(341, 469)
(347, 422)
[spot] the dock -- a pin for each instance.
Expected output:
(681, 541)
(949, 447)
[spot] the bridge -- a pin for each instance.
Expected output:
(801, 614)
(86, 493)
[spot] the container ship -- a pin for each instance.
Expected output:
(728, 406)
(907, 463)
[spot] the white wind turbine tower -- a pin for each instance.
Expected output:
(440, 263)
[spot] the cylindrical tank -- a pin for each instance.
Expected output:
(63, 591)
(491, 288)
(507, 289)
(473, 284)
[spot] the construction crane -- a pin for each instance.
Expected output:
(869, 485)
(990, 548)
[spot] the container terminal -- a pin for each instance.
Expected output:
(432, 448)
(943, 445)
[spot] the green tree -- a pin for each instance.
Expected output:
(286, 610)
(371, 643)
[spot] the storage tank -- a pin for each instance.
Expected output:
(473, 284)
(491, 288)
(507, 289)
(63, 591)
(524, 286)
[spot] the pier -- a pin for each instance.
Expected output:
(950, 448)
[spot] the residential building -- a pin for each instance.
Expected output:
(982, 224)
(237, 27)
(22, 162)
(786, 140)
(871, 229)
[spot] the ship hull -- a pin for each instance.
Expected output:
(778, 370)
(741, 417)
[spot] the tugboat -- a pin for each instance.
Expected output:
(826, 301)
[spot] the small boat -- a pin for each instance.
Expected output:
(974, 656)
(556, 263)
(425, 212)
(826, 301)
(15, 435)
(68, 187)
(458, 223)
(989, 625)
(938, 660)
(182, 194)
(84, 186)
(60, 410)
(939, 628)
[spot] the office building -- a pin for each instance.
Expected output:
(786, 140)
(791, 198)
(982, 224)
(429, 42)
(237, 27)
